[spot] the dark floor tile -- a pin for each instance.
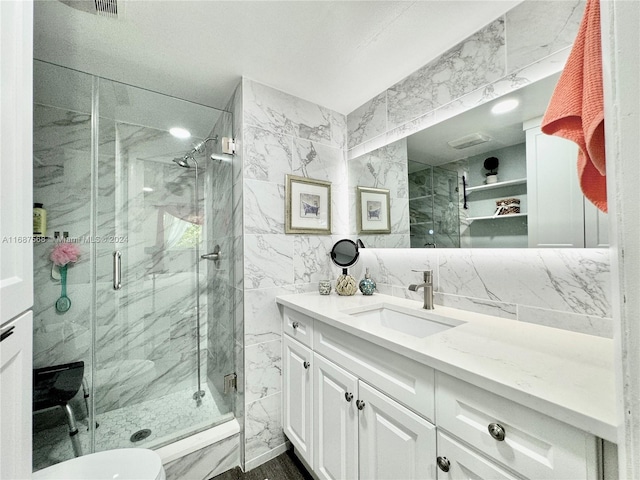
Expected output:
(282, 467)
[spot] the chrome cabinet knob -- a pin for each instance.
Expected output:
(443, 463)
(306, 365)
(295, 325)
(497, 431)
(348, 396)
(360, 404)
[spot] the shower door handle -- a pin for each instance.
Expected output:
(117, 270)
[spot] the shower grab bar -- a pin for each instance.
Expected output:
(117, 270)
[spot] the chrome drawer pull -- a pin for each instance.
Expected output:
(360, 404)
(443, 463)
(306, 365)
(497, 431)
(348, 396)
(295, 325)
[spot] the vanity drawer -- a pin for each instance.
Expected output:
(462, 462)
(298, 326)
(407, 381)
(534, 445)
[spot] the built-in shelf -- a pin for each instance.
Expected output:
(491, 186)
(498, 217)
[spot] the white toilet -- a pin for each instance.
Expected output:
(120, 464)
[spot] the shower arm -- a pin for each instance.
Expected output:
(198, 146)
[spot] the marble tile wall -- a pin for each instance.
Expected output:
(281, 134)
(528, 43)
(562, 288)
(207, 462)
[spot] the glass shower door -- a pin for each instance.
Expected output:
(153, 315)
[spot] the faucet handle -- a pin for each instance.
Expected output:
(428, 274)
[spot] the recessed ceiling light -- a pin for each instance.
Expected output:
(505, 106)
(179, 132)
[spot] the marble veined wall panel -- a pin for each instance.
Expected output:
(282, 135)
(562, 288)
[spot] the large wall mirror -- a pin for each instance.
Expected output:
(485, 179)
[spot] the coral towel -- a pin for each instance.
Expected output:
(576, 110)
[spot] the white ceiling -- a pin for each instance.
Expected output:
(338, 54)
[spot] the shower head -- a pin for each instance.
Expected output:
(182, 161)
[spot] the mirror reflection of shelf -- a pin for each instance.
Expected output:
(498, 217)
(491, 186)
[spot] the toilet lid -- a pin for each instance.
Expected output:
(121, 464)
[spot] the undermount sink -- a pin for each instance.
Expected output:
(418, 324)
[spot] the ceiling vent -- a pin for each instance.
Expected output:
(103, 8)
(469, 141)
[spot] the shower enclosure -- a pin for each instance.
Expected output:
(150, 319)
(434, 206)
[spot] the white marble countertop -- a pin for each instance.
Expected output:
(568, 376)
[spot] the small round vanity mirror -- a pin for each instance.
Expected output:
(344, 253)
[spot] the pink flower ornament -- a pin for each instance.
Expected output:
(64, 253)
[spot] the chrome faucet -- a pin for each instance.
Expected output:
(428, 288)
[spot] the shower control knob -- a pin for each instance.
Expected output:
(497, 431)
(295, 325)
(443, 464)
(348, 396)
(306, 365)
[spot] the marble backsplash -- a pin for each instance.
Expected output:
(528, 43)
(561, 288)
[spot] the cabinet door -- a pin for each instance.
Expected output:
(461, 463)
(298, 400)
(555, 201)
(394, 442)
(16, 147)
(335, 421)
(15, 398)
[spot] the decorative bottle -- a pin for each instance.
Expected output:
(346, 284)
(367, 285)
(39, 220)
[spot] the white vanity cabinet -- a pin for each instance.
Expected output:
(350, 429)
(297, 396)
(532, 445)
(355, 409)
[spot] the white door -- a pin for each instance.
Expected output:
(298, 400)
(555, 201)
(394, 442)
(16, 184)
(335, 421)
(457, 462)
(15, 398)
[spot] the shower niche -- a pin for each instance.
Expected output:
(157, 340)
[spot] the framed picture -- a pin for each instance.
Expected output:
(307, 206)
(373, 213)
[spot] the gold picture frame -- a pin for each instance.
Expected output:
(307, 206)
(373, 210)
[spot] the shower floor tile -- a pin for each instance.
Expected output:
(169, 418)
